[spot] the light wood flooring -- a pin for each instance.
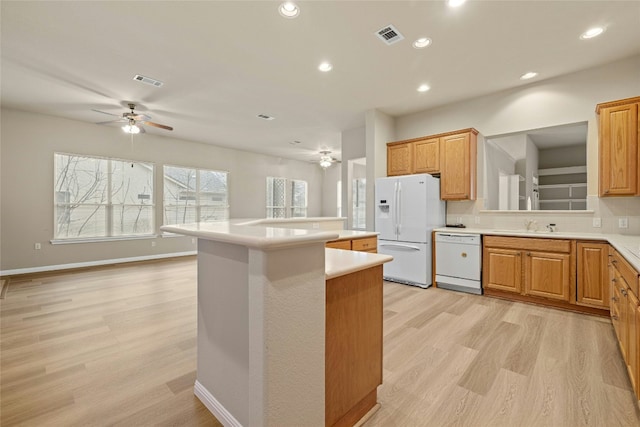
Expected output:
(116, 346)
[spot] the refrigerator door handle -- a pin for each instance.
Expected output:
(399, 209)
(395, 209)
(399, 246)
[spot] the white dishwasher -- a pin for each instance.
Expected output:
(459, 262)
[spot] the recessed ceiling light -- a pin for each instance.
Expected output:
(289, 9)
(325, 66)
(455, 3)
(423, 88)
(592, 32)
(422, 42)
(529, 75)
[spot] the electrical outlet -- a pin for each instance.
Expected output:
(458, 220)
(153, 244)
(623, 222)
(193, 240)
(37, 246)
(477, 220)
(597, 222)
(315, 225)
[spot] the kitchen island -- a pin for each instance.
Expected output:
(277, 318)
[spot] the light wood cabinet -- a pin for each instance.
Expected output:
(353, 347)
(503, 268)
(592, 288)
(544, 266)
(399, 159)
(458, 166)
(452, 155)
(548, 275)
(625, 314)
(362, 244)
(618, 147)
(427, 156)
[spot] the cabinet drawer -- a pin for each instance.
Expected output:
(339, 244)
(528, 243)
(366, 244)
(629, 274)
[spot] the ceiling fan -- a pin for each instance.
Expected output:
(133, 121)
(326, 160)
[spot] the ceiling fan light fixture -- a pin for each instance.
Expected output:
(325, 162)
(133, 129)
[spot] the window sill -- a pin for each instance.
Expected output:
(101, 239)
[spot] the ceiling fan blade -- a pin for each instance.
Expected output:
(110, 121)
(104, 112)
(158, 125)
(141, 117)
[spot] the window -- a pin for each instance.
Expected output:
(286, 200)
(101, 198)
(194, 195)
(359, 191)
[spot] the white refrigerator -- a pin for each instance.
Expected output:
(408, 208)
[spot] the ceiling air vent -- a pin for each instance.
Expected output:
(148, 80)
(389, 34)
(265, 117)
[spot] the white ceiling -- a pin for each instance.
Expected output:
(224, 62)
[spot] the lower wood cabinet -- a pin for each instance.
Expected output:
(528, 266)
(592, 289)
(362, 244)
(625, 313)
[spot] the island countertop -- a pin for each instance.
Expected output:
(258, 235)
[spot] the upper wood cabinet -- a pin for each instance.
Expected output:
(592, 287)
(453, 155)
(399, 159)
(426, 156)
(619, 153)
(458, 166)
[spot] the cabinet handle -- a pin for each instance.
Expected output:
(614, 299)
(614, 280)
(606, 191)
(528, 253)
(614, 262)
(623, 291)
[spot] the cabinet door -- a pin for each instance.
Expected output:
(632, 343)
(502, 270)
(399, 159)
(593, 284)
(339, 244)
(426, 155)
(619, 150)
(547, 275)
(458, 167)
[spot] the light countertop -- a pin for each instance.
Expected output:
(339, 262)
(264, 236)
(253, 236)
(627, 245)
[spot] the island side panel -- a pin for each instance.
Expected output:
(287, 335)
(353, 345)
(223, 328)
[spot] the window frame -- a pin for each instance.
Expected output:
(108, 205)
(197, 194)
(288, 209)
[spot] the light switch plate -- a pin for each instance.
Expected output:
(597, 222)
(477, 220)
(623, 222)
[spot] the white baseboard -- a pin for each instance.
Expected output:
(93, 263)
(215, 407)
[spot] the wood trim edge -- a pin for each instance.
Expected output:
(617, 103)
(546, 302)
(439, 135)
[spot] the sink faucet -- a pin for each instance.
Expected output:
(531, 225)
(551, 228)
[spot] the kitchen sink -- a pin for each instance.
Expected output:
(522, 231)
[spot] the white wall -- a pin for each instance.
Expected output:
(496, 161)
(567, 99)
(380, 129)
(353, 147)
(28, 142)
